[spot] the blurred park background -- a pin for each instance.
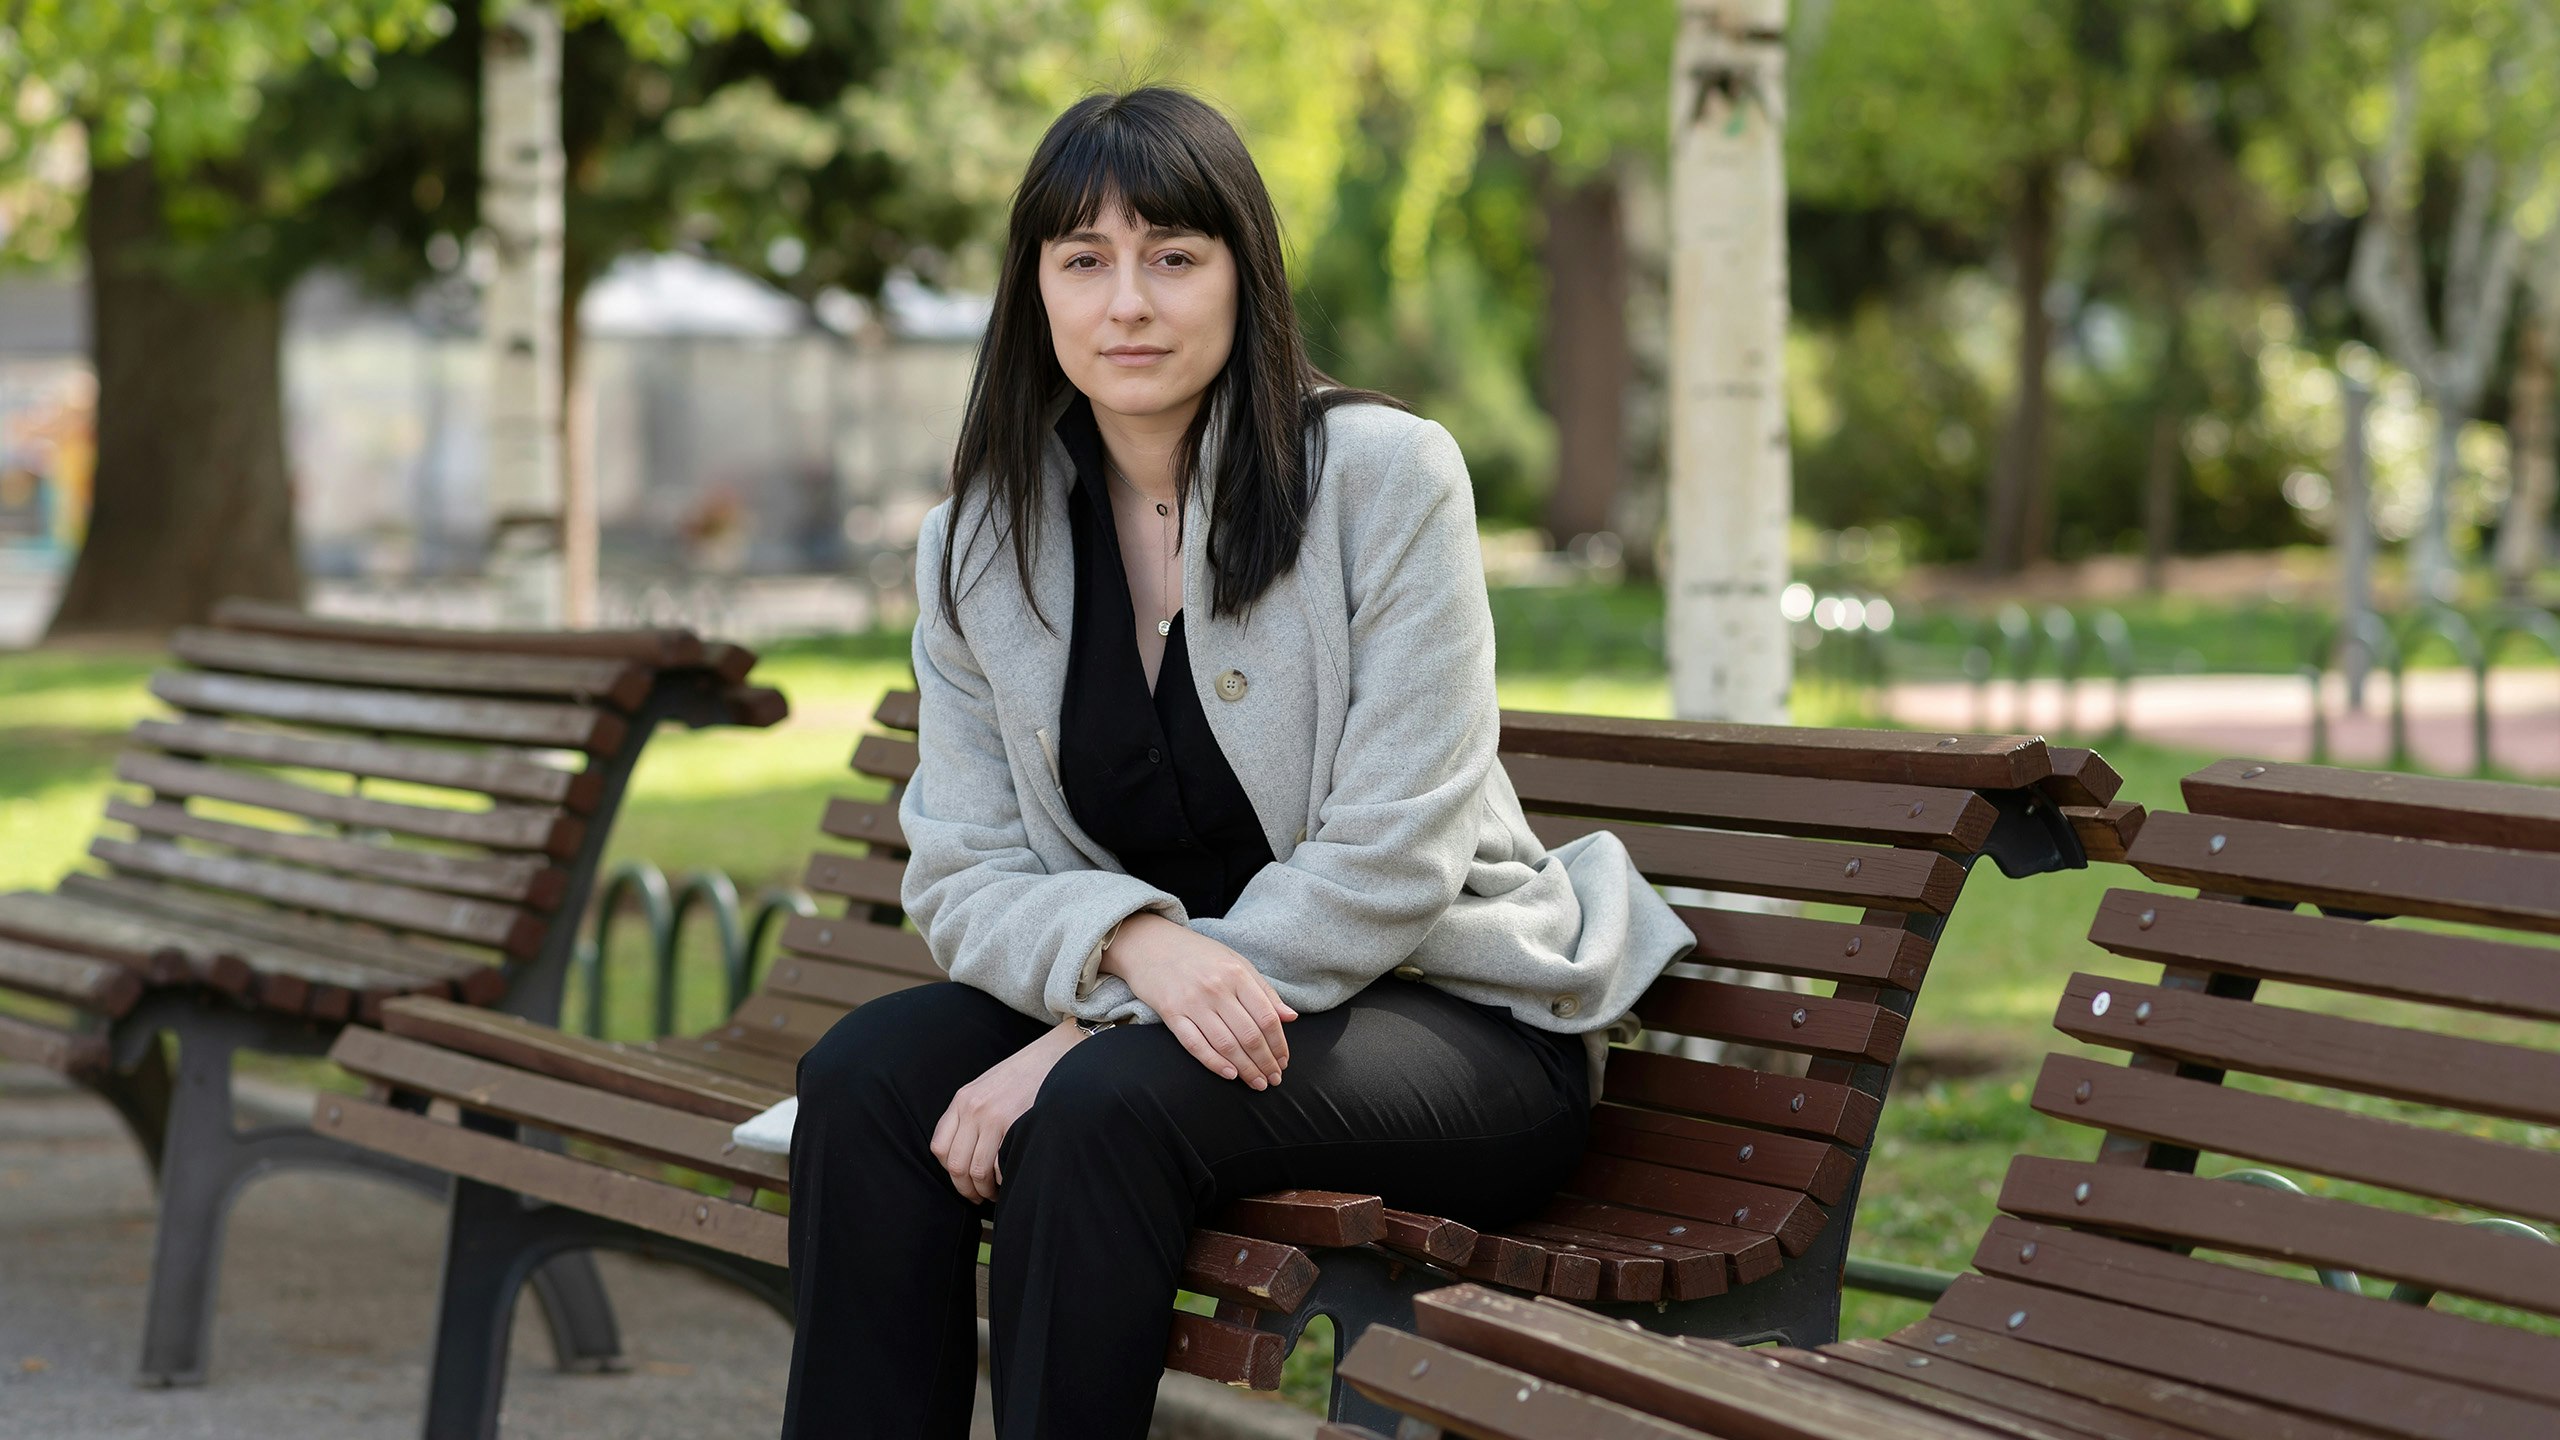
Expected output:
(2169, 375)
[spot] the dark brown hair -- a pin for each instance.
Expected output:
(1172, 161)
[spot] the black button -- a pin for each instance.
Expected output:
(1154, 755)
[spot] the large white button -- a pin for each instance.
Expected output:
(1231, 685)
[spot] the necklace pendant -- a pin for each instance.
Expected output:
(1164, 627)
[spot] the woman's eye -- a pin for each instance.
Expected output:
(1081, 262)
(1175, 259)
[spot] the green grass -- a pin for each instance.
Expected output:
(748, 803)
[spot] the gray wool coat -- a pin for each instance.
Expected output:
(1355, 703)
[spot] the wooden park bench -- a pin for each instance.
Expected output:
(335, 816)
(1717, 1198)
(2414, 1117)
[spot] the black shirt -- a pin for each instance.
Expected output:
(1142, 773)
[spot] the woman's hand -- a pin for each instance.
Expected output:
(969, 1135)
(1221, 1008)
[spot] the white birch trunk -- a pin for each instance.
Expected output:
(521, 206)
(1731, 481)
(2534, 468)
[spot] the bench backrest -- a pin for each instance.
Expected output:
(2354, 995)
(1886, 823)
(392, 810)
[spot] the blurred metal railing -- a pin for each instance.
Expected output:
(740, 933)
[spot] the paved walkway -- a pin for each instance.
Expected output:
(327, 1302)
(2269, 716)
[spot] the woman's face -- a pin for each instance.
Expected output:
(1142, 317)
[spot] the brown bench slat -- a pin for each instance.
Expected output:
(1737, 1152)
(2444, 1164)
(1727, 1392)
(582, 1185)
(281, 976)
(506, 928)
(1464, 1395)
(1260, 1274)
(2412, 1337)
(1838, 1369)
(1977, 1395)
(518, 879)
(499, 775)
(2424, 807)
(897, 711)
(1322, 1218)
(663, 649)
(1624, 1271)
(2370, 873)
(606, 1064)
(1500, 1259)
(620, 683)
(101, 987)
(778, 1025)
(2481, 1076)
(503, 722)
(1818, 870)
(1228, 1353)
(773, 1075)
(1895, 757)
(882, 758)
(2468, 971)
(1749, 1255)
(1742, 799)
(1687, 1272)
(500, 827)
(868, 880)
(1788, 1215)
(2300, 1229)
(861, 942)
(873, 820)
(1443, 1242)
(76, 1054)
(827, 983)
(2081, 776)
(2124, 1391)
(239, 929)
(754, 707)
(694, 1141)
(1730, 1092)
(1817, 949)
(1807, 1024)
(162, 954)
(2354, 1392)
(2105, 832)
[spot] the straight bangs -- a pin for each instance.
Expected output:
(1120, 162)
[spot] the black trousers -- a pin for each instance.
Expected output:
(1407, 1092)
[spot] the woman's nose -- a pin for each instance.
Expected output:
(1130, 304)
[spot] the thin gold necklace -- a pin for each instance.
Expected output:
(1172, 547)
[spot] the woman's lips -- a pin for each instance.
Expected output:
(1134, 356)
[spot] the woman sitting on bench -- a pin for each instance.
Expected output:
(1176, 859)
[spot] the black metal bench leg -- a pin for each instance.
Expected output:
(1357, 1289)
(199, 1172)
(141, 1095)
(488, 1258)
(584, 1337)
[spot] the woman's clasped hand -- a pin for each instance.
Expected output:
(1222, 1009)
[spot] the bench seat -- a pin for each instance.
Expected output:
(2375, 1122)
(333, 817)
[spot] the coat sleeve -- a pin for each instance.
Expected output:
(993, 915)
(1400, 824)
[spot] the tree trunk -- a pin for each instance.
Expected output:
(192, 502)
(1588, 362)
(2526, 527)
(2431, 574)
(2354, 534)
(522, 177)
(1731, 482)
(581, 600)
(2018, 525)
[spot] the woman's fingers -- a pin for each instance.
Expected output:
(1222, 1038)
(1261, 1068)
(1264, 1007)
(982, 1160)
(1198, 1044)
